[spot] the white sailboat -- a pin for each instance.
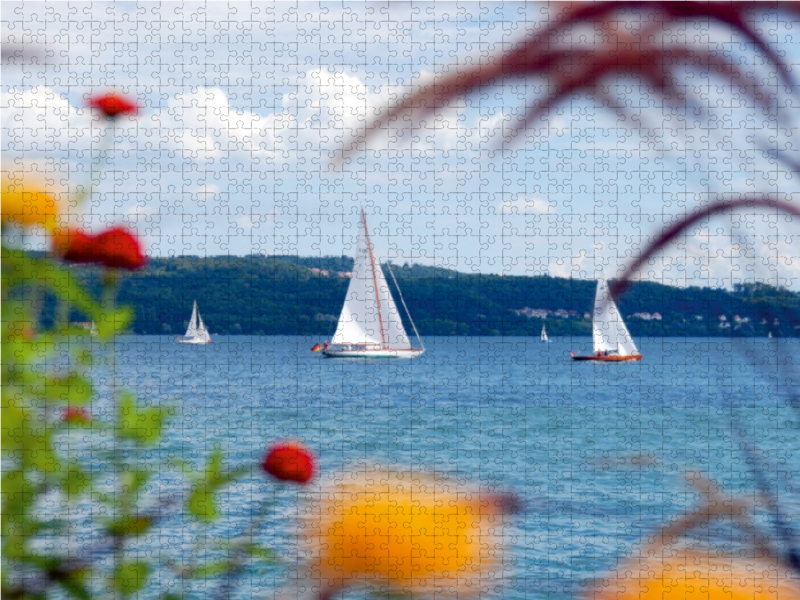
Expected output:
(612, 342)
(543, 336)
(197, 333)
(370, 324)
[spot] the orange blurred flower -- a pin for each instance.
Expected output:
(692, 575)
(407, 531)
(27, 201)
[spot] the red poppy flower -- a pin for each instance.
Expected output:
(73, 414)
(115, 248)
(113, 105)
(289, 461)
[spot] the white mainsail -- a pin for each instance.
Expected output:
(543, 336)
(191, 332)
(608, 330)
(369, 315)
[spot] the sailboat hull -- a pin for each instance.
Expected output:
(192, 341)
(363, 353)
(610, 358)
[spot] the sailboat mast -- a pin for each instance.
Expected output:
(374, 277)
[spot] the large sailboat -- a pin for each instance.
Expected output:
(543, 336)
(370, 324)
(197, 333)
(612, 342)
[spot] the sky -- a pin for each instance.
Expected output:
(245, 109)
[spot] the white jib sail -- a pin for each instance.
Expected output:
(608, 330)
(191, 332)
(202, 332)
(625, 345)
(369, 315)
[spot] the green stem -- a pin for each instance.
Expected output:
(100, 161)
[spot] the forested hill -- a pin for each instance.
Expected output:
(295, 295)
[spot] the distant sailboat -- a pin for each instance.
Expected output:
(197, 333)
(612, 342)
(370, 324)
(543, 336)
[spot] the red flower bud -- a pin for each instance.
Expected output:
(73, 414)
(115, 248)
(113, 105)
(289, 461)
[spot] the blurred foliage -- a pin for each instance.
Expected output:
(48, 394)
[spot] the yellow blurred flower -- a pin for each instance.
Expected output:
(409, 532)
(27, 201)
(691, 575)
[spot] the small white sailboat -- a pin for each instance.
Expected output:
(612, 342)
(370, 324)
(543, 336)
(197, 333)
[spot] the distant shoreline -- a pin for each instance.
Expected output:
(289, 295)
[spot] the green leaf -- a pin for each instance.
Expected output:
(134, 480)
(201, 502)
(141, 425)
(21, 267)
(19, 495)
(265, 555)
(133, 525)
(75, 482)
(12, 428)
(214, 468)
(114, 322)
(73, 582)
(130, 577)
(19, 435)
(211, 569)
(72, 389)
(38, 452)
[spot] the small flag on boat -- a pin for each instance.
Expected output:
(316, 348)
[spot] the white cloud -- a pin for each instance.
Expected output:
(41, 121)
(203, 124)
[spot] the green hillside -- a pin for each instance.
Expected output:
(303, 295)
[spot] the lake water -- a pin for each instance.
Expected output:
(598, 452)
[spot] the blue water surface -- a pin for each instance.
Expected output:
(598, 453)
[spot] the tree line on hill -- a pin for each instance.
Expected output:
(285, 295)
